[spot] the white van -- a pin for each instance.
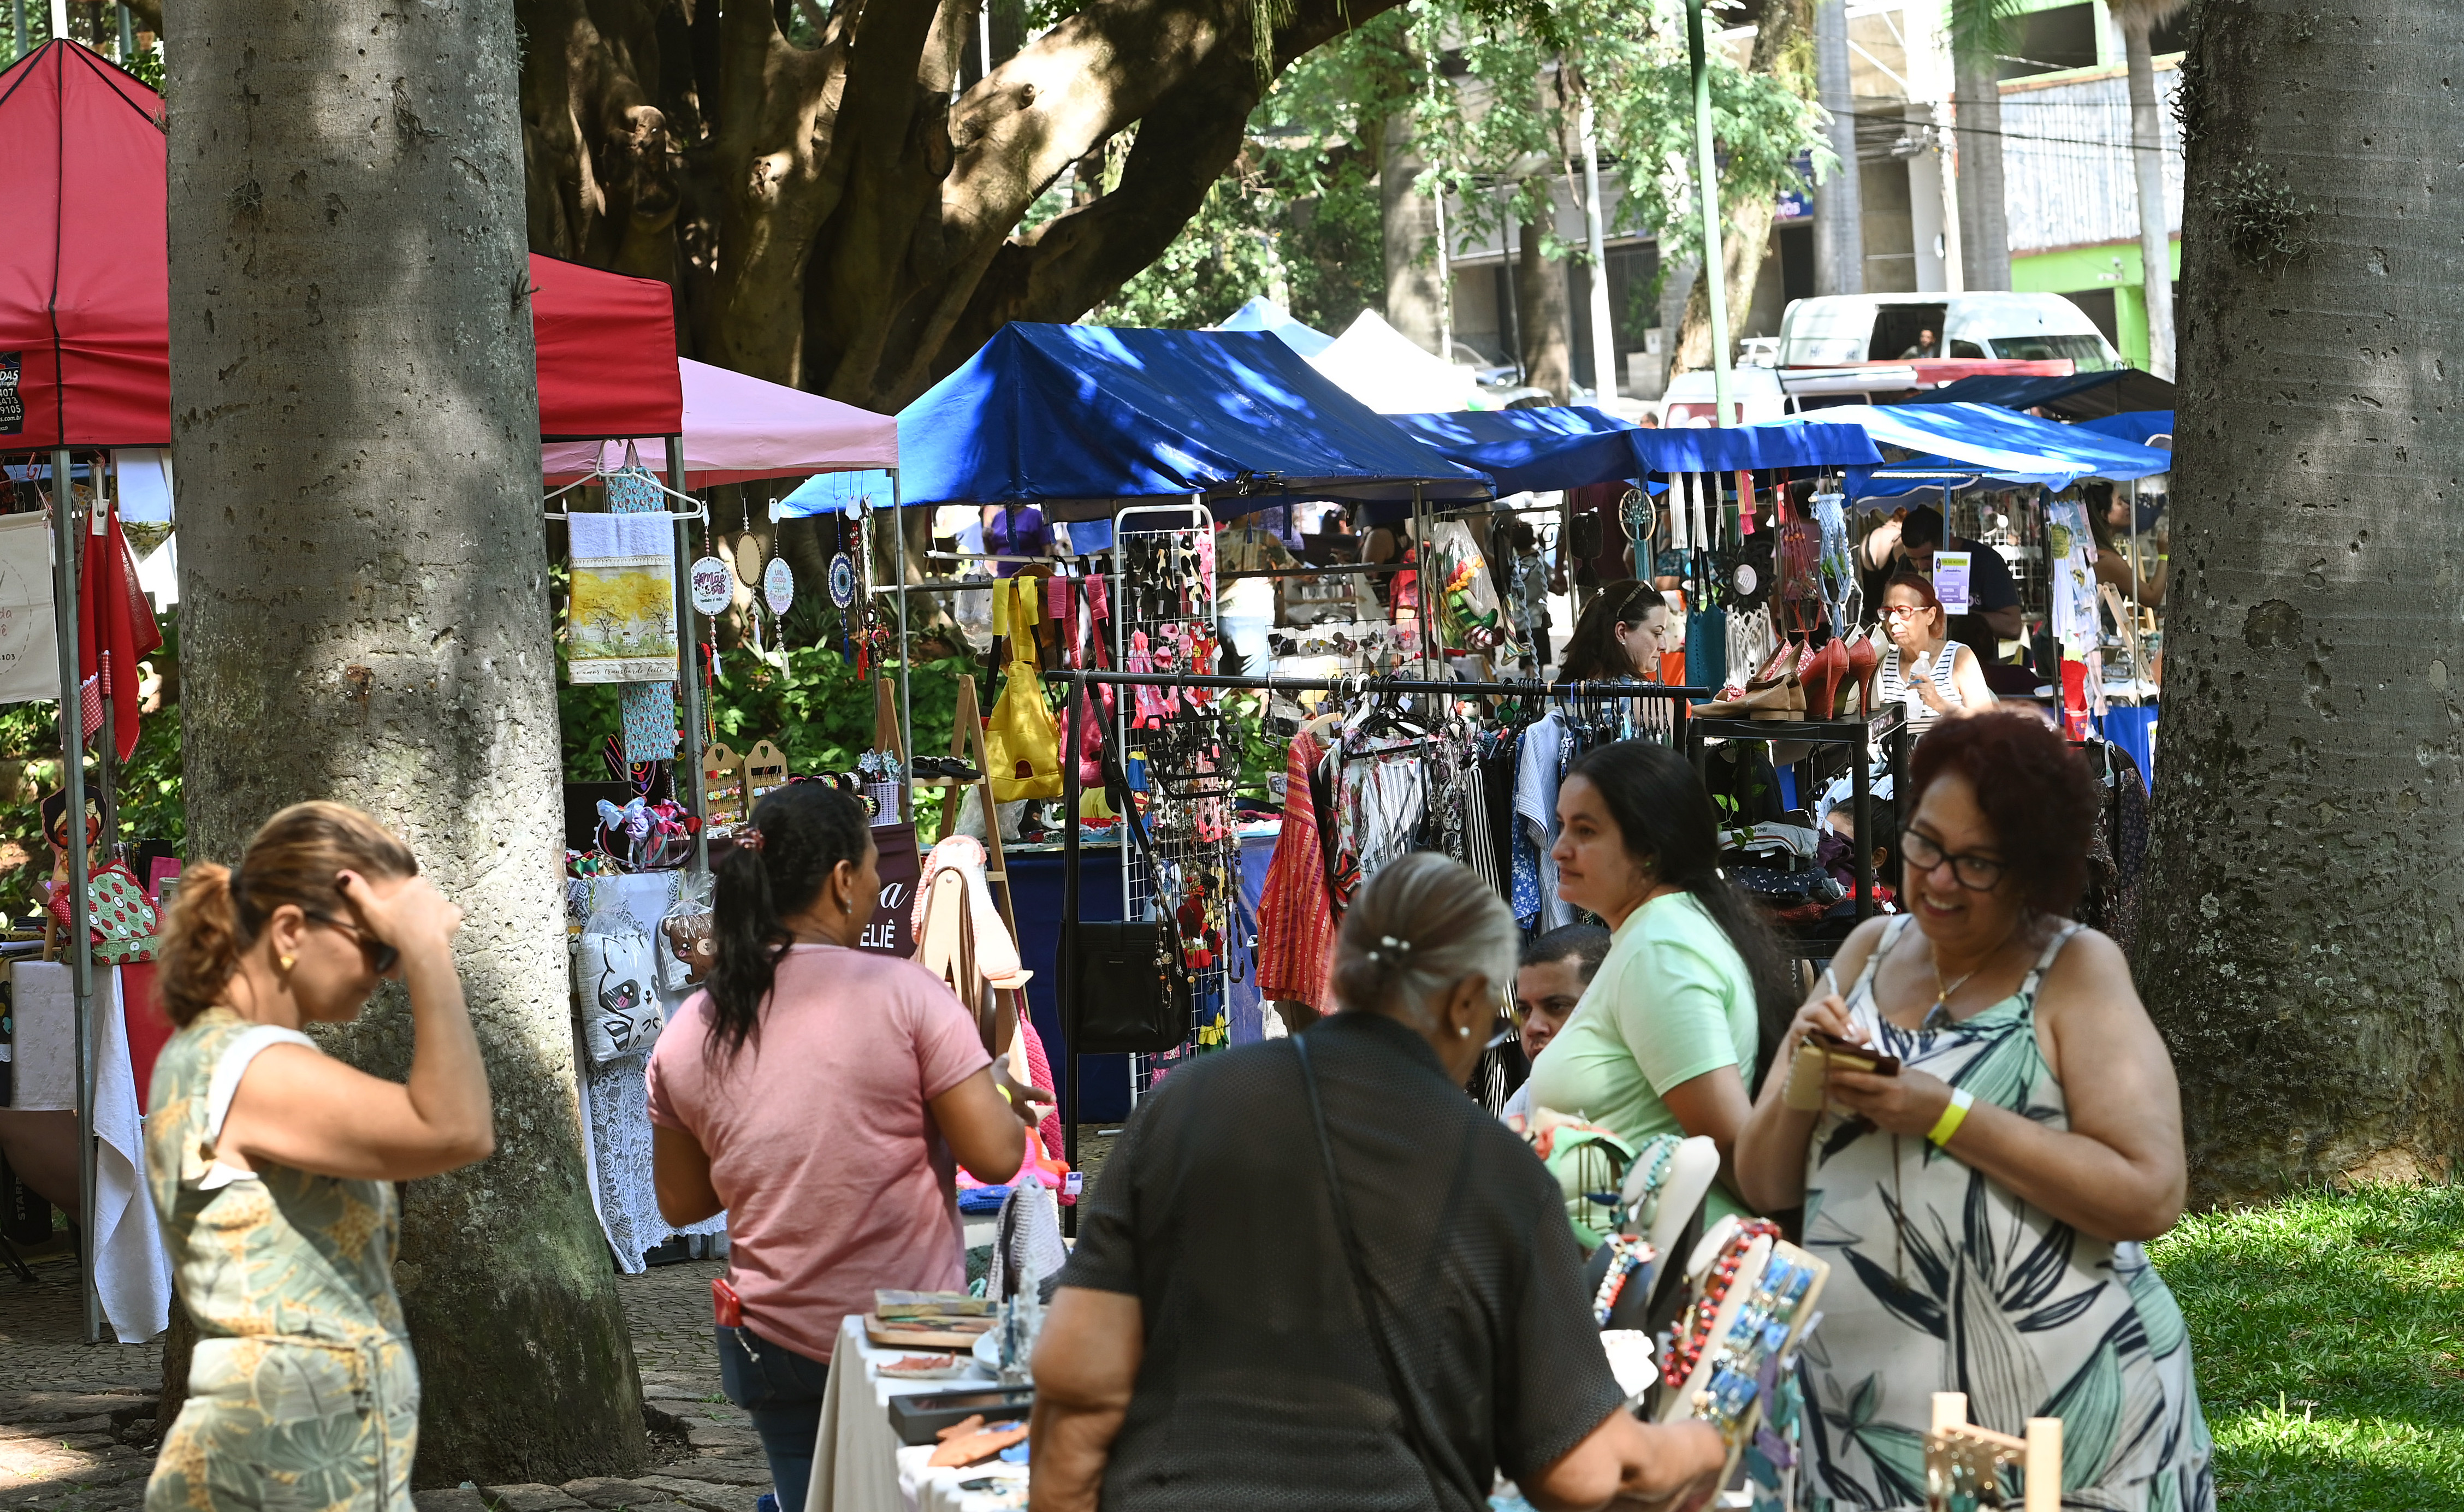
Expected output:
(1691, 399)
(1836, 330)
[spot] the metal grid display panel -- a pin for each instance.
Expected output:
(1175, 799)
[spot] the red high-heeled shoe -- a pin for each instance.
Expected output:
(1863, 662)
(1822, 682)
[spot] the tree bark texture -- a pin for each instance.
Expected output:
(1984, 223)
(1409, 219)
(2147, 169)
(2309, 846)
(366, 619)
(830, 218)
(1547, 317)
(1783, 48)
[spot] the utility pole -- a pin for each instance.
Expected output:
(1708, 171)
(1604, 383)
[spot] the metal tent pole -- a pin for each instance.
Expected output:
(64, 599)
(907, 687)
(689, 651)
(1421, 579)
(1065, 968)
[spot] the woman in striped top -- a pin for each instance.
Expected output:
(1925, 669)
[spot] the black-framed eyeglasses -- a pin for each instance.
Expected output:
(383, 957)
(1975, 873)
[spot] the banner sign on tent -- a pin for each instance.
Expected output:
(622, 616)
(30, 656)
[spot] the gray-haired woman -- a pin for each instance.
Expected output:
(1314, 1273)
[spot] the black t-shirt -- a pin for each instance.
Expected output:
(1261, 1387)
(1989, 587)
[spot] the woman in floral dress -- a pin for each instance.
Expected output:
(1983, 1210)
(270, 1163)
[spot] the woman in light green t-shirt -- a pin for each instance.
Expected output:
(1665, 1039)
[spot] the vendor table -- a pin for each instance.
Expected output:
(859, 1465)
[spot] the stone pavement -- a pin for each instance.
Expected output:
(78, 1430)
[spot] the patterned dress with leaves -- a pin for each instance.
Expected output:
(303, 1393)
(1944, 1280)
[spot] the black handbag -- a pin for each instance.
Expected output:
(1128, 978)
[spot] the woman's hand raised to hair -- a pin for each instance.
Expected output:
(413, 918)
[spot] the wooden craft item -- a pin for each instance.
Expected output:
(722, 784)
(765, 770)
(977, 1446)
(1968, 1466)
(946, 1333)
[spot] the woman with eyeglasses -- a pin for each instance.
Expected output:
(1620, 636)
(1983, 1208)
(271, 1163)
(1925, 669)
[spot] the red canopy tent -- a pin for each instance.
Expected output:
(85, 306)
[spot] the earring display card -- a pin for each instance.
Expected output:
(765, 770)
(723, 781)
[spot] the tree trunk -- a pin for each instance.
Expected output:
(1410, 222)
(1548, 319)
(1983, 226)
(2309, 846)
(366, 619)
(2148, 166)
(1840, 205)
(1782, 49)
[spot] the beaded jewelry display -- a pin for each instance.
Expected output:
(1694, 1330)
(1627, 1255)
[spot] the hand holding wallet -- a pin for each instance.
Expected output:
(1817, 1055)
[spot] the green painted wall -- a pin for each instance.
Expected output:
(2113, 266)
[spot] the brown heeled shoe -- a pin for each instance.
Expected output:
(1823, 684)
(1863, 662)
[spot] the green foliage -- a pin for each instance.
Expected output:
(2329, 1335)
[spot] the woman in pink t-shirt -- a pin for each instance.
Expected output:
(819, 1094)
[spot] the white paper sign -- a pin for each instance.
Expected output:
(30, 658)
(1950, 581)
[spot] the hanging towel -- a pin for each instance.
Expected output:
(1296, 913)
(621, 616)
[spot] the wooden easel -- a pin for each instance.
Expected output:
(967, 744)
(1956, 1448)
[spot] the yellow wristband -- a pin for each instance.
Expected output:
(1956, 1115)
(1011, 1101)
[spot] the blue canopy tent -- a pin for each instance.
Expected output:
(1262, 314)
(2138, 427)
(1525, 451)
(1836, 441)
(1952, 444)
(2076, 397)
(1073, 418)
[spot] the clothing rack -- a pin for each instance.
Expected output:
(1081, 678)
(1856, 735)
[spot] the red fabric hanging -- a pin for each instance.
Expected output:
(115, 626)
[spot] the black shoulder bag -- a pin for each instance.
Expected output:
(1436, 1456)
(1128, 976)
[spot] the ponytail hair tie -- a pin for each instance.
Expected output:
(748, 839)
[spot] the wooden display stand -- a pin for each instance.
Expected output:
(725, 808)
(1965, 1464)
(765, 770)
(967, 743)
(1678, 1406)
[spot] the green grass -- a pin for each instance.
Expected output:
(2328, 1334)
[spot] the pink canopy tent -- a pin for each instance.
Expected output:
(738, 428)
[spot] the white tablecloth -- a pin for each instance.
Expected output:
(859, 1465)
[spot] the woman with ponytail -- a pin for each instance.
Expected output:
(1666, 1038)
(271, 1163)
(818, 1093)
(1314, 1274)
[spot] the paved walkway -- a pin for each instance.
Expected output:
(78, 1430)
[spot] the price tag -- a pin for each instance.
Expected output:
(713, 584)
(778, 585)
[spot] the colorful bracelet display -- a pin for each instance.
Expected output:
(1694, 1330)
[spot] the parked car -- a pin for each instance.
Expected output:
(1838, 330)
(1501, 383)
(1691, 398)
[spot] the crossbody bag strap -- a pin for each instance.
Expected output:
(1432, 1451)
